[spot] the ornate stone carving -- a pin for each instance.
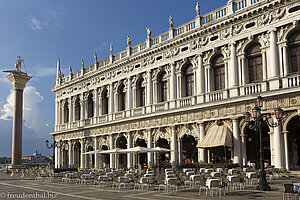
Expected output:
(280, 13)
(226, 51)
(238, 28)
(204, 41)
(265, 39)
(206, 57)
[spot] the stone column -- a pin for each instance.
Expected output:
(149, 88)
(129, 155)
(179, 85)
(111, 146)
(70, 153)
(244, 149)
(96, 103)
(233, 67)
(264, 64)
(278, 145)
(96, 155)
(63, 112)
(173, 147)
(70, 110)
(226, 75)
(273, 55)
(201, 156)
(18, 81)
(286, 150)
(56, 114)
(271, 134)
(62, 157)
(244, 73)
(150, 145)
(285, 60)
(180, 153)
(129, 92)
(155, 93)
(116, 102)
(82, 106)
(173, 85)
(200, 79)
(56, 157)
(111, 99)
(82, 157)
(236, 142)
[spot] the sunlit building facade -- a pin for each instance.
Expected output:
(189, 88)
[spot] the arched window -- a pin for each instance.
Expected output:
(90, 106)
(219, 72)
(254, 58)
(162, 87)
(104, 99)
(77, 109)
(294, 50)
(121, 97)
(188, 81)
(140, 93)
(66, 112)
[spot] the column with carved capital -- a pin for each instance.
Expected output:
(286, 150)
(63, 111)
(278, 139)
(111, 101)
(96, 105)
(180, 153)
(150, 145)
(56, 115)
(111, 146)
(70, 105)
(129, 155)
(200, 79)
(173, 85)
(82, 157)
(285, 60)
(82, 108)
(70, 154)
(59, 156)
(178, 84)
(96, 155)
(273, 62)
(56, 157)
(149, 91)
(174, 150)
(233, 72)
(129, 96)
(236, 141)
(271, 134)
(201, 155)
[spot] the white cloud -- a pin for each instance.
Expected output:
(44, 71)
(34, 23)
(31, 111)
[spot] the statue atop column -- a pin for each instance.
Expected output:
(82, 63)
(111, 49)
(70, 69)
(197, 9)
(171, 21)
(148, 32)
(18, 63)
(95, 57)
(128, 41)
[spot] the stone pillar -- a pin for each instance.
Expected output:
(271, 134)
(82, 106)
(244, 73)
(129, 155)
(150, 145)
(208, 79)
(201, 151)
(173, 85)
(96, 155)
(285, 61)
(233, 67)
(70, 154)
(180, 153)
(96, 103)
(149, 88)
(200, 75)
(264, 64)
(278, 145)
(179, 85)
(56, 115)
(155, 93)
(111, 99)
(56, 157)
(70, 110)
(129, 92)
(286, 150)
(116, 102)
(82, 157)
(173, 147)
(63, 112)
(62, 158)
(273, 55)
(111, 146)
(18, 80)
(244, 149)
(236, 142)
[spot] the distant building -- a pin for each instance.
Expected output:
(186, 86)
(36, 158)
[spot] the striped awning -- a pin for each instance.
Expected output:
(217, 136)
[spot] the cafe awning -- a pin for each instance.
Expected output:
(217, 136)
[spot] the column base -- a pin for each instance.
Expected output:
(18, 166)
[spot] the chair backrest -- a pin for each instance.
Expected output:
(202, 183)
(253, 175)
(214, 183)
(172, 182)
(197, 178)
(236, 179)
(288, 188)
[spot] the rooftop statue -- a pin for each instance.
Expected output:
(82, 63)
(171, 21)
(197, 9)
(148, 32)
(111, 49)
(95, 57)
(128, 41)
(70, 69)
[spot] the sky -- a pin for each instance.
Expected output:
(43, 31)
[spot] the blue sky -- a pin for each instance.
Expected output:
(42, 31)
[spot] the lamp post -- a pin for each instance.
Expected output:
(52, 146)
(256, 124)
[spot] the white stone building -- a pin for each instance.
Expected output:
(191, 82)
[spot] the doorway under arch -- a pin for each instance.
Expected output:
(293, 129)
(189, 149)
(163, 158)
(122, 143)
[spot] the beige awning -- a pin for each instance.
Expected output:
(217, 136)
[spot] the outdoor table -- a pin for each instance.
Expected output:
(170, 175)
(126, 179)
(208, 182)
(192, 177)
(105, 177)
(296, 187)
(248, 174)
(187, 169)
(190, 173)
(219, 170)
(214, 173)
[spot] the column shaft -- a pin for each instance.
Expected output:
(286, 150)
(96, 155)
(285, 61)
(149, 88)
(273, 55)
(82, 157)
(129, 155)
(201, 158)
(233, 67)
(236, 142)
(278, 146)
(150, 145)
(173, 147)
